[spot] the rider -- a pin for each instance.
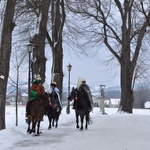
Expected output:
(54, 90)
(36, 90)
(84, 88)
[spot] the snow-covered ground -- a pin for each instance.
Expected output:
(115, 131)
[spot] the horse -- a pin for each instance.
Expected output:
(37, 110)
(53, 110)
(81, 107)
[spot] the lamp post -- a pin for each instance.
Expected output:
(69, 67)
(30, 48)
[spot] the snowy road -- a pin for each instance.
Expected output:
(107, 132)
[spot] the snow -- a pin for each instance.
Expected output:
(115, 131)
(2, 77)
(147, 104)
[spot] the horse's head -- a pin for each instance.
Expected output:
(54, 101)
(53, 97)
(73, 94)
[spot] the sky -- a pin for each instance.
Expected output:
(115, 131)
(91, 68)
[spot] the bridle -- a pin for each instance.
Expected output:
(53, 102)
(73, 95)
(42, 100)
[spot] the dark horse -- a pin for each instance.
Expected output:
(37, 110)
(53, 110)
(81, 107)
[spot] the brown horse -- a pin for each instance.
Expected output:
(37, 111)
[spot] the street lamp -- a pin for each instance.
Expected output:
(69, 67)
(30, 48)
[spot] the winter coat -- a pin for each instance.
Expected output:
(56, 90)
(36, 89)
(84, 88)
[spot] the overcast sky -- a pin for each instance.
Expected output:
(92, 69)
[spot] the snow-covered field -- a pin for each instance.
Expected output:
(115, 131)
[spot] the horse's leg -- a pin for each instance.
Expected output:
(50, 121)
(77, 120)
(82, 119)
(57, 118)
(38, 127)
(87, 121)
(29, 123)
(35, 131)
(56, 122)
(33, 126)
(31, 130)
(53, 121)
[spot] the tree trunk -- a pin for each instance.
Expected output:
(58, 19)
(17, 91)
(5, 51)
(39, 66)
(127, 97)
(57, 67)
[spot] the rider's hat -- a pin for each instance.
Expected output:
(83, 80)
(53, 83)
(38, 80)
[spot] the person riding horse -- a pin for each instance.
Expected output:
(54, 91)
(36, 90)
(84, 88)
(53, 110)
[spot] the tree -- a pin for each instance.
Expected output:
(55, 40)
(124, 34)
(17, 60)
(5, 51)
(39, 66)
(54, 37)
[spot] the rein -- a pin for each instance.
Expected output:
(75, 96)
(53, 101)
(41, 100)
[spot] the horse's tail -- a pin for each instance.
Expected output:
(89, 120)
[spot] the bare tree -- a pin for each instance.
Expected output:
(5, 51)
(54, 32)
(55, 40)
(39, 66)
(54, 37)
(123, 27)
(16, 61)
